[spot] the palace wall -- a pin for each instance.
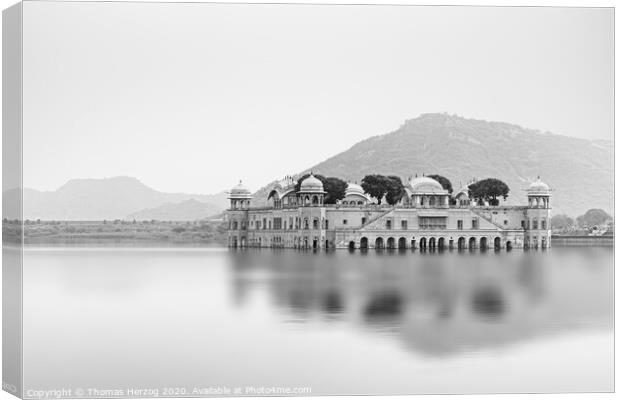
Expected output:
(357, 227)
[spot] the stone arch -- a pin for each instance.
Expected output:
(472, 243)
(391, 243)
(364, 243)
(441, 243)
(432, 243)
(508, 245)
(315, 200)
(422, 243)
(497, 243)
(352, 245)
(379, 243)
(402, 243)
(483, 243)
(461, 244)
(413, 243)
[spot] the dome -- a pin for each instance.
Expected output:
(240, 191)
(354, 188)
(464, 191)
(539, 187)
(311, 185)
(426, 185)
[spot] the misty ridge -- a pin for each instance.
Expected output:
(116, 198)
(579, 171)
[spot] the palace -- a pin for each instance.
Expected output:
(425, 218)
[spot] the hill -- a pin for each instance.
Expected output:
(188, 210)
(108, 198)
(579, 171)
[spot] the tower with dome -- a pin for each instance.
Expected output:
(427, 218)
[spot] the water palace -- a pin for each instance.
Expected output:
(423, 219)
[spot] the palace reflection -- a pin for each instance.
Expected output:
(438, 304)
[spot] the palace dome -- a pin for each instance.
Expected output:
(463, 191)
(354, 188)
(311, 185)
(240, 191)
(425, 184)
(539, 187)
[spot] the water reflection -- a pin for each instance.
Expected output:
(466, 322)
(439, 303)
(488, 302)
(382, 306)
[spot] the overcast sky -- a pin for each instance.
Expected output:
(194, 97)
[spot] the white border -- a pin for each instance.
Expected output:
(531, 3)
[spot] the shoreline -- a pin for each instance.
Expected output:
(557, 241)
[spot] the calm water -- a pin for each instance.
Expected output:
(338, 323)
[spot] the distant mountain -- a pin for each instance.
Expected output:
(188, 210)
(108, 198)
(579, 171)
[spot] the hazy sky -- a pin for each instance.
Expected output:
(194, 97)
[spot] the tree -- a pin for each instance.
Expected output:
(379, 186)
(445, 182)
(593, 217)
(336, 189)
(375, 186)
(395, 189)
(561, 221)
(490, 190)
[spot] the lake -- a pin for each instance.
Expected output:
(202, 321)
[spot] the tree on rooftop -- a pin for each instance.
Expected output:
(490, 190)
(395, 189)
(335, 188)
(375, 185)
(379, 186)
